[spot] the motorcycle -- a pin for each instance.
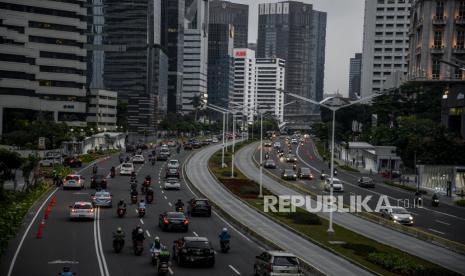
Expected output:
(149, 198)
(121, 211)
(138, 247)
(118, 244)
(335, 172)
(163, 268)
(294, 167)
(112, 172)
(133, 186)
(154, 257)
(179, 209)
(435, 202)
(224, 246)
(133, 199)
(141, 212)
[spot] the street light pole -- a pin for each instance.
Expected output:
(222, 153)
(330, 227)
(234, 142)
(260, 195)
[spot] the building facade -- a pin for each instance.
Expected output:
(195, 64)
(228, 29)
(172, 42)
(270, 79)
(101, 109)
(355, 73)
(245, 92)
(293, 31)
(42, 62)
(385, 42)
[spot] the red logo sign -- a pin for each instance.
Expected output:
(241, 53)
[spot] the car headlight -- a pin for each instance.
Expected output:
(285, 175)
(396, 217)
(411, 218)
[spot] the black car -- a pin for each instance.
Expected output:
(188, 146)
(305, 173)
(291, 158)
(366, 181)
(72, 162)
(199, 206)
(193, 250)
(173, 221)
(98, 181)
(162, 156)
(270, 164)
(172, 172)
(196, 144)
(287, 174)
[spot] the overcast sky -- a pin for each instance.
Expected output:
(344, 36)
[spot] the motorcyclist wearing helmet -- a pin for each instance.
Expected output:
(142, 204)
(122, 204)
(156, 245)
(138, 234)
(66, 271)
(179, 204)
(224, 236)
(119, 234)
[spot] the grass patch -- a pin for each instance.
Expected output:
(91, 157)
(348, 168)
(321, 149)
(404, 187)
(353, 246)
(460, 202)
(14, 207)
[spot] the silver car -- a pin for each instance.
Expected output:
(172, 183)
(102, 199)
(271, 263)
(397, 215)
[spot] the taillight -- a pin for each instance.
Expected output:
(165, 221)
(186, 222)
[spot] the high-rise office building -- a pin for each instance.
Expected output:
(42, 62)
(270, 79)
(294, 32)
(228, 25)
(385, 42)
(195, 64)
(355, 73)
(245, 93)
(131, 32)
(172, 41)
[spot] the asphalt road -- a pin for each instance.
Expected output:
(422, 249)
(199, 175)
(86, 246)
(445, 221)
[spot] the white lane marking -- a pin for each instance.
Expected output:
(104, 261)
(148, 233)
(170, 270)
(234, 269)
(443, 222)
(162, 192)
(99, 259)
(160, 186)
(27, 231)
(169, 203)
(137, 211)
(141, 221)
(63, 262)
(165, 197)
(436, 231)
(195, 234)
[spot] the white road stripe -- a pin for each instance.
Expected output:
(170, 270)
(195, 234)
(162, 192)
(137, 212)
(104, 262)
(169, 203)
(165, 197)
(443, 222)
(234, 269)
(99, 259)
(148, 233)
(436, 231)
(141, 221)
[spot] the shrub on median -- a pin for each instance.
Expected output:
(360, 249)
(396, 263)
(460, 203)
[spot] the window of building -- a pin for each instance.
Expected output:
(380, 1)
(440, 9)
(379, 17)
(460, 39)
(388, 41)
(436, 69)
(390, 9)
(379, 33)
(461, 14)
(378, 41)
(379, 9)
(437, 40)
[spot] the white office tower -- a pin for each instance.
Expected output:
(245, 93)
(195, 64)
(385, 42)
(270, 74)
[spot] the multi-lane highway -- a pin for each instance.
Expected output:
(86, 246)
(422, 249)
(445, 221)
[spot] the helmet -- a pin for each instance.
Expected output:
(66, 269)
(119, 230)
(121, 200)
(140, 231)
(225, 229)
(179, 200)
(141, 200)
(156, 239)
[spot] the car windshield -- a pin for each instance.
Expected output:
(173, 162)
(82, 206)
(126, 166)
(172, 180)
(285, 261)
(198, 244)
(337, 182)
(305, 170)
(270, 161)
(401, 211)
(102, 194)
(290, 156)
(201, 202)
(98, 177)
(175, 215)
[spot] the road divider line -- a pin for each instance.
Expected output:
(137, 211)
(162, 192)
(104, 261)
(443, 222)
(234, 269)
(148, 233)
(169, 203)
(99, 260)
(165, 197)
(436, 231)
(195, 234)
(170, 270)
(141, 221)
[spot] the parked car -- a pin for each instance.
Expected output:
(126, 169)
(172, 183)
(196, 144)
(194, 250)
(304, 173)
(397, 215)
(173, 221)
(337, 185)
(366, 181)
(72, 162)
(270, 164)
(215, 140)
(288, 174)
(81, 210)
(199, 206)
(98, 181)
(73, 181)
(277, 263)
(102, 199)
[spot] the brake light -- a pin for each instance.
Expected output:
(186, 222)
(166, 221)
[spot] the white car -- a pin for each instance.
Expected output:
(138, 159)
(294, 141)
(397, 215)
(277, 145)
(337, 185)
(173, 164)
(126, 169)
(81, 210)
(49, 161)
(215, 140)
(172, 183)
(73, 181)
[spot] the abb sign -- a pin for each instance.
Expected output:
(241, 53)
